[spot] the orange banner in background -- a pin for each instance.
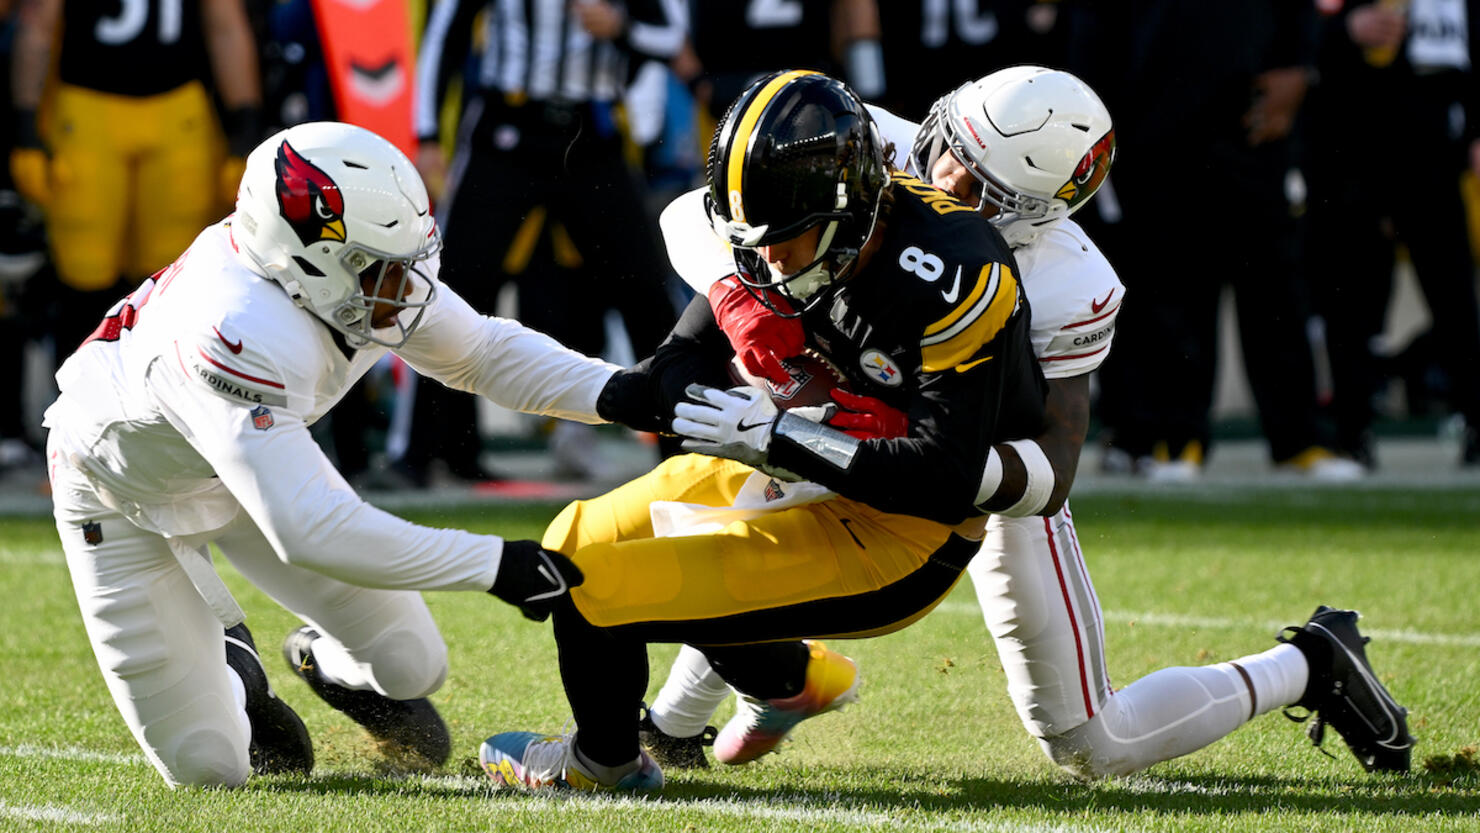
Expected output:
(368, 50)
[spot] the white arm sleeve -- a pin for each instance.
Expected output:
(505, 361)
(901, 132)
(312, 517)
(698, 255)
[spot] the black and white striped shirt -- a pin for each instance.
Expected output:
(539, 50)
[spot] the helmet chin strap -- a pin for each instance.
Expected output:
(809, 281)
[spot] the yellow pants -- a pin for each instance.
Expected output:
(134, 180)
(834, 568)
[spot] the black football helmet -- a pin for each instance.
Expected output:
(795, 150)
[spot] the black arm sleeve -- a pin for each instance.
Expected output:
(695, 352)
(935, 472)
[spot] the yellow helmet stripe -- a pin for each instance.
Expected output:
(741, 138)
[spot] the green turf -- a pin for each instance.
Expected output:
(934, 743)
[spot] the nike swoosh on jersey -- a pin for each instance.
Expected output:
(955, 288)
(234, 348)
(1096, 306)
(962, 368)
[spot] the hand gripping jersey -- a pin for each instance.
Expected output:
(193, 398)
(934, 324)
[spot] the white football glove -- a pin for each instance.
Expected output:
(734, 423)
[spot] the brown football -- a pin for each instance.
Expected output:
(812, 378)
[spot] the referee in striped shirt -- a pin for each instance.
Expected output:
(538, 150)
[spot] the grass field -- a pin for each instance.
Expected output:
(932, 745)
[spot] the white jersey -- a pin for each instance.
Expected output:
(1072, 289)
(194, 399)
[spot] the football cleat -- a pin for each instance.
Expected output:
(675, 752)
(409, 733)
(1345, 694)
(534, 761)
(280, 741)
(760, 725)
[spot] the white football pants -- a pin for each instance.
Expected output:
(1041, 609)
(162, 650)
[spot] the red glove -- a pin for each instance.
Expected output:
(761, 338)
(867, 418)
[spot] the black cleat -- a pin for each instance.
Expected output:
(1344, 692)
(280, 741)
(673, 752)
(409, 732)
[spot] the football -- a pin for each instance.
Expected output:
(812, 379)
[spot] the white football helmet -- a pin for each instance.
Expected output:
(1038, 140)
(332, 212)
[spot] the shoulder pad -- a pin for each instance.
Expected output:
(225, 365)
(984, 308)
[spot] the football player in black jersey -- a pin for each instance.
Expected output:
(915, 298)
(122, 146)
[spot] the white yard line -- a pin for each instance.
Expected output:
(779, 807)
(52, 814)
(1152, 619)
(69, 753)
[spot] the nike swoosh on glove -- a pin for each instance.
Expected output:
(734, 423)
(533, 578)
(760, 337)
(867, 418)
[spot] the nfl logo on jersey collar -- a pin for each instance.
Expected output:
(261, 418)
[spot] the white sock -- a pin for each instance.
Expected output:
(688, 700)
(1278, 676)
(1175, 711)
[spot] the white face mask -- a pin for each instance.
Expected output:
(806, 283)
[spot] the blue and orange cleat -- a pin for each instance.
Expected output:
(535, 761)
(760, 725)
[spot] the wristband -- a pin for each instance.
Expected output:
(828, 444)
(865, 59)
(1040, 480)
(991, 479)
(25, 134)
(243, 129)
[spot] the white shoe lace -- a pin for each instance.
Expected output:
(545, 760)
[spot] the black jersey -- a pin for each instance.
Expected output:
(738, 42)
(132, 47)
(936, 324)
(931, 48)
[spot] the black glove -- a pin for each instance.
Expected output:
(533, 579)
(627, 398)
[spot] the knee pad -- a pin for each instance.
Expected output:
(1088, 751)
(206, 758)
(407, 664)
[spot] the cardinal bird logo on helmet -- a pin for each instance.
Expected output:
(308, 199)
(1090, 171)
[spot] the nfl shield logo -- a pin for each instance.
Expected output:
(92, 532)
(261, 418)
(773, 491)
